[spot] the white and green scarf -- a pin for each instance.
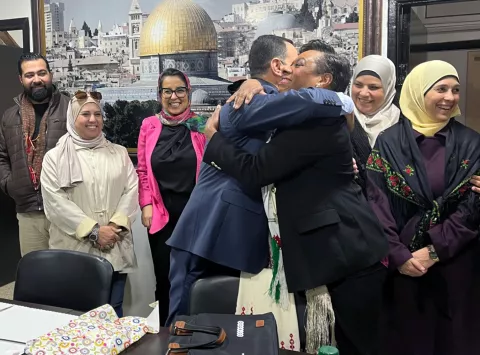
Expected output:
(320, 318)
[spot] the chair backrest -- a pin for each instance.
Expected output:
(64, 278)
(217, 294)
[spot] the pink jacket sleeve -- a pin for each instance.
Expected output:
(144, 189)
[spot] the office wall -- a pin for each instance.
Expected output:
(459, 60)
(140, 290)
(384, 28)
(15, 9)
(451, 22)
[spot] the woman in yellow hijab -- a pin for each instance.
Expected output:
(418, 185)
(425, 100)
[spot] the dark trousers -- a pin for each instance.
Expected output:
(185, 269)
(118, 291)
(175, 203)
(357, 303)
(161, 266)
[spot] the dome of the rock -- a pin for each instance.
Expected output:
(178, 26)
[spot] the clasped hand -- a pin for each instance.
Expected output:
(108, 236)
(418, 265)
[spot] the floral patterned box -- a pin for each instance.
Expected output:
(99, 331)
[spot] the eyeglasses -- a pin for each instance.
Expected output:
(82, 95)
(180, 92)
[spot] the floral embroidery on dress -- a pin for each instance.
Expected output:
(409, 170)
(397, 184)
(428, 221)
(395, 181)
(463, 187)
(464, 164)
(292, 343)
(432, 217)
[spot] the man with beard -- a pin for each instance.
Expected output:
(330, 240)
(28, 130)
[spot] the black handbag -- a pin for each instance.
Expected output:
(223, 334)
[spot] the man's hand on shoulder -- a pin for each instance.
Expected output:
(475, 181)
(211, 127)
(246, 92)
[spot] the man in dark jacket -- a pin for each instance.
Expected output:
(329, 235)
(223, 228)
(27, 131)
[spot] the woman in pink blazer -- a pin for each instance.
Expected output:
(170, 149)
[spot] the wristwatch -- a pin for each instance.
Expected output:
(432, 253)
(93, 236)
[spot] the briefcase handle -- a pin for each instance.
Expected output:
(181, 328)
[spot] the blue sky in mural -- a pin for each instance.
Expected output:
(116, 11)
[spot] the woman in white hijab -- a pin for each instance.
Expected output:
(373, 91)
(90, 188)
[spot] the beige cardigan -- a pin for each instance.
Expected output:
(108, 193)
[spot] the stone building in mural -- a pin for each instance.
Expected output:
(180, 34)
(177, 34)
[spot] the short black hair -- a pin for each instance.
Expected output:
(232, 88)
(27, 57)
(171, 72)
(317, 45)
(263, 50)
(337, 65)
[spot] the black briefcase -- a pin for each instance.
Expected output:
(223, 334)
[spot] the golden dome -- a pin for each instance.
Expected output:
(177, 26)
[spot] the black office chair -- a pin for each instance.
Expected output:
(218, 294)
(64, 278)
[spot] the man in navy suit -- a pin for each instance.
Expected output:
(329, 234)
(223, 228)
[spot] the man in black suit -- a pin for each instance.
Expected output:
(329, 234)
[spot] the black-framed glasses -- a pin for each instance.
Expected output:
(180, 92)
(82, 95)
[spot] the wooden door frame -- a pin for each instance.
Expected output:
(18, 24)
(370, 27)
(38, 26)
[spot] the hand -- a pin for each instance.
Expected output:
(413, 268)
(107, 237)
(123, 230)
(355, 167)
(212, 124)
(246, 92)
(147, 213)
(475, 181)
(114, 225)
(423, 256)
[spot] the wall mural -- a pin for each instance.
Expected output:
(121, 51)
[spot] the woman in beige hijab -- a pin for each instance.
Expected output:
(90, 188)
